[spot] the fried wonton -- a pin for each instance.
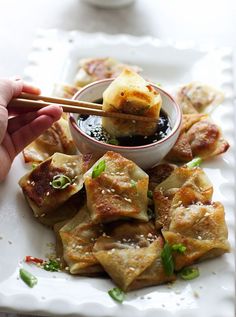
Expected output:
(195, 97)
(55, 139)
(116, 189)
(41, 186)
(199, 137)
(131, 256)
(184, 186)
(93, 69)
(78, 237)
(64, 212)
(130, 93)
(201, 229)
(187, 215)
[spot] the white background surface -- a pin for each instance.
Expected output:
(204, 22)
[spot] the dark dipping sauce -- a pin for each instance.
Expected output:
(92, 126)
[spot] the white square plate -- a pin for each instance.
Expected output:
(54, 58)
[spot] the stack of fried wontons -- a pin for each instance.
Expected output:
(108, 230)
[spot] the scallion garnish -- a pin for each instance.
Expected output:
(52, 266)
(179, 247)
(167, 259)
(113, 142)
(150, 194)
(98, 169)
(194, 163)
(28, 278)
(60, 181)
(34, 165)
(117, 294)
(189, 273)
(133, 183)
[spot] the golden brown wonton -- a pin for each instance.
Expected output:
(118, 192)
(130, 254)
(201, 228)
(187, 215)
(184, 186)
(55, 139)
(199, 137)
(37, 187)
(78, 237)
(93, 69)
(195, 97)
(130, 93)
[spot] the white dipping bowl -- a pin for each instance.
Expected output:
(145, 156)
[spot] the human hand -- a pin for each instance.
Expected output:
(17, 129)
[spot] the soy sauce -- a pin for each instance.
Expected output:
(92, 126)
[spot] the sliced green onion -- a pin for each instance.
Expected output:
(189, 273)
(52, 266)
(60, 181)
(34, 166)
(113, 142)
(117, 294)
(179, 247)
(150, 194)
(194, 163)
(28, 278)
(98, 169)
(133, 183)
(167, 259)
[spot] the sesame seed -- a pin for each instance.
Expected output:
(103, 191)
(47, 193)
(128, 199)
(42, 215)
(112, 190)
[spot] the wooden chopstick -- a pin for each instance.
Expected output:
(29, 101)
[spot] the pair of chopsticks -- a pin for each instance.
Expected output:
(30, 101)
